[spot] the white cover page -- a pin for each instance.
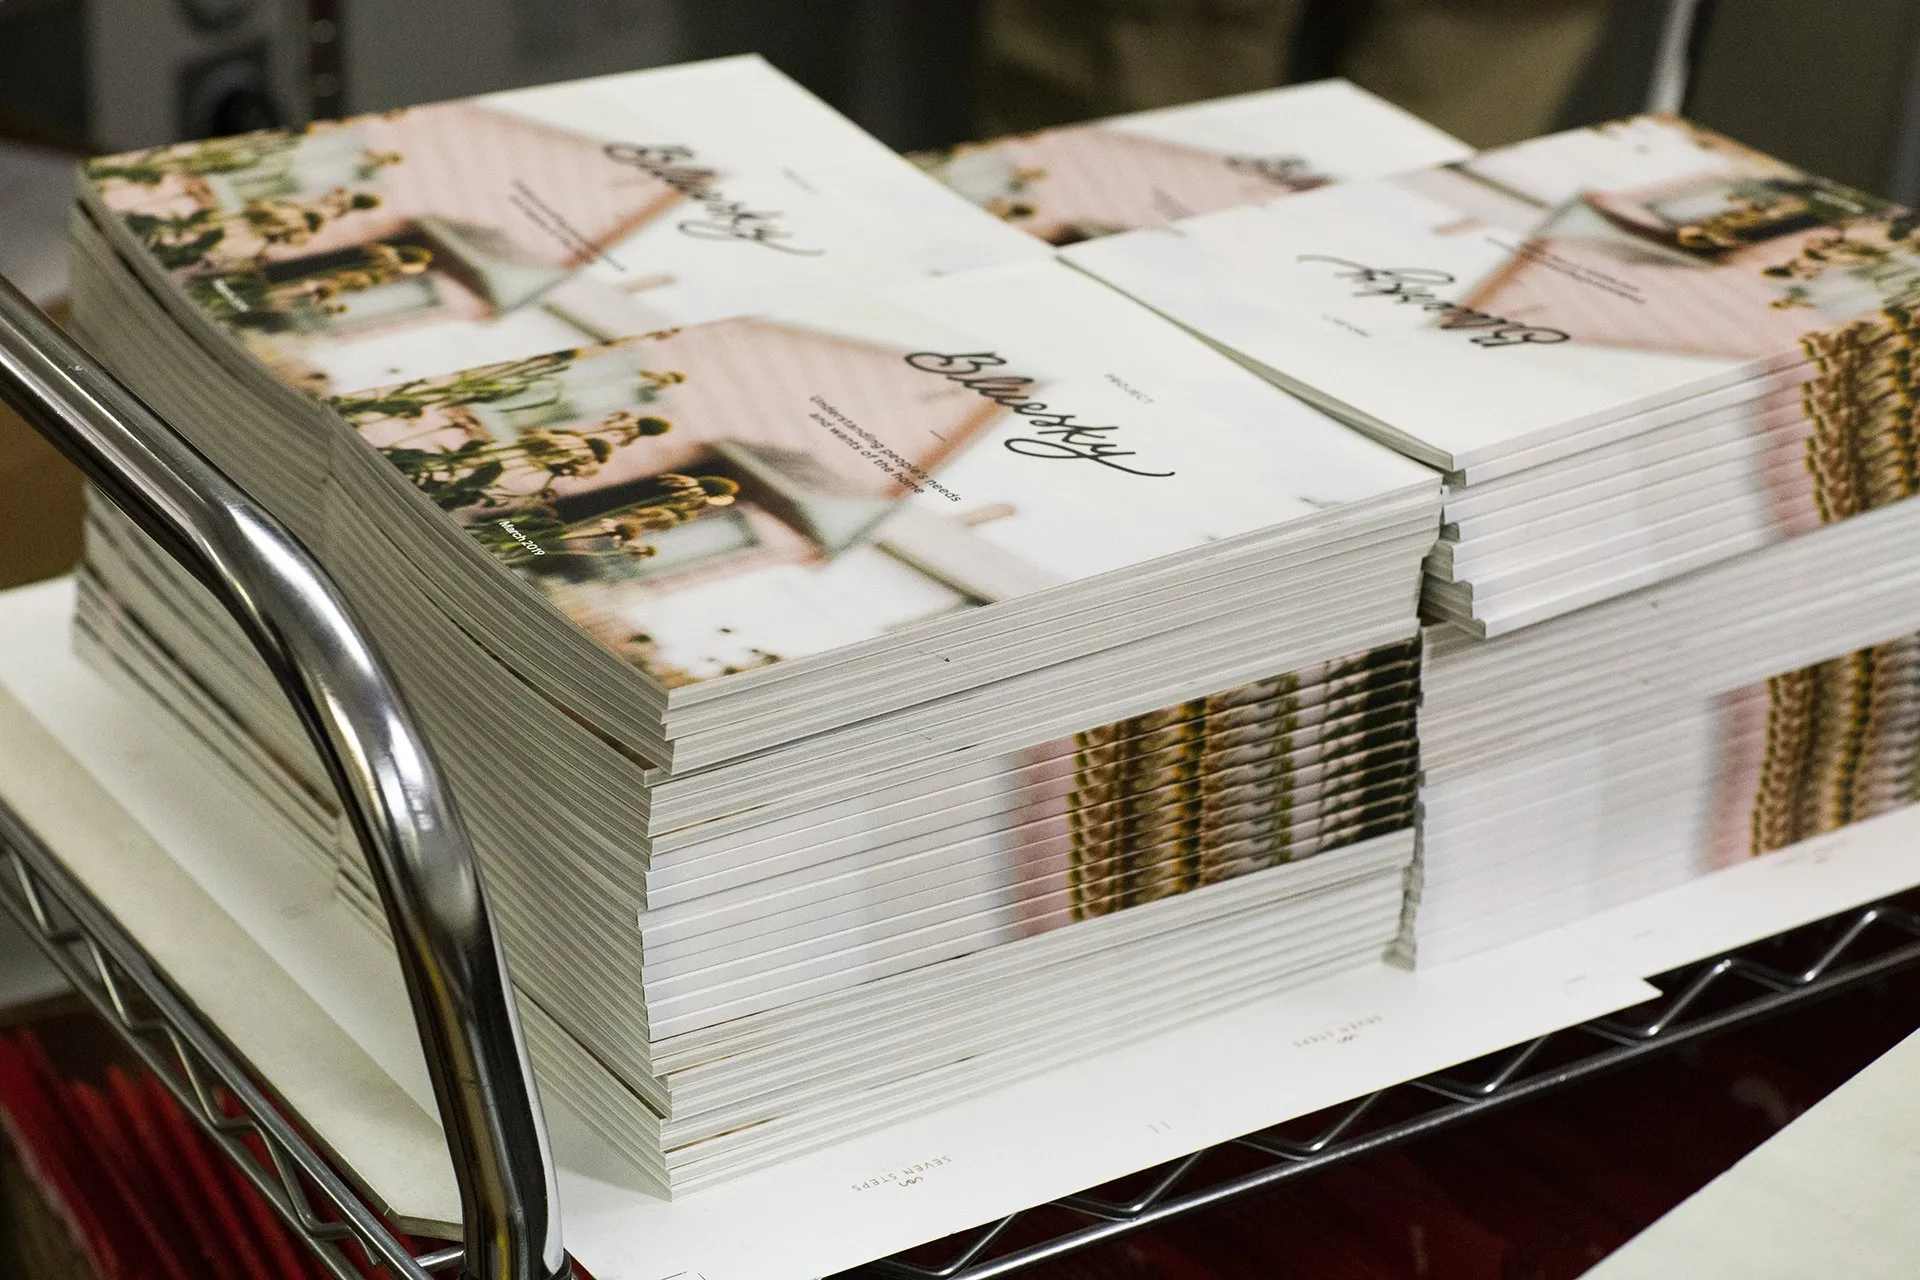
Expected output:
(1081, 181)
(1466, 311)
(425, 240)
(722, 497)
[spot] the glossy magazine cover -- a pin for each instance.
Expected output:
(1552, 288)
(720, 497)
(1080, 182)
(434, 238)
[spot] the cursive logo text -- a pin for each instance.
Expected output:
(1055, 435)
(1413, 286)
(1292, 173)
(725, 219)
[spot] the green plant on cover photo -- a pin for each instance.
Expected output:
(507, 488)
(225, 249)
(536, 529)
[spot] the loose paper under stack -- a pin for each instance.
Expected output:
(1647, 356)
(1079, 182)
(928, 679)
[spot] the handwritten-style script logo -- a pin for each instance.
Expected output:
(1055, 435)
(1292, 173)
(1413, 286)
(725, 219)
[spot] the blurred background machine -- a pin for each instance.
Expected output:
(108, 75)
(111, 75)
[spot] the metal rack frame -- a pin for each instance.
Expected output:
(380, 764)
(107, 968)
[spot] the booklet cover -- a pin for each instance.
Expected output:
(1083, 181)
(431, 239)
(1568, 282)
(719, 497)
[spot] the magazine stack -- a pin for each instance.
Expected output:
(1082, 181)
(894, 659)
(1670, 381)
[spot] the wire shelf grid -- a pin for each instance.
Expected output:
(1697, 1000)
(325, 1210)
(122, 985)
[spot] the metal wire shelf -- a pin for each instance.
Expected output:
(1698, 1000)
(332, 1216)
(107, 968)
(324, 1209)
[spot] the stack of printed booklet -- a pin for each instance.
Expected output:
(892, 629)
(1670, 380)
(876, 660)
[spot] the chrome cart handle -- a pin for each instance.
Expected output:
(380, 763)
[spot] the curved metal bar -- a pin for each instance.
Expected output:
(415, 842)
(114, 975)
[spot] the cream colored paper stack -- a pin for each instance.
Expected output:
(1671, 381)
(876, 661)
